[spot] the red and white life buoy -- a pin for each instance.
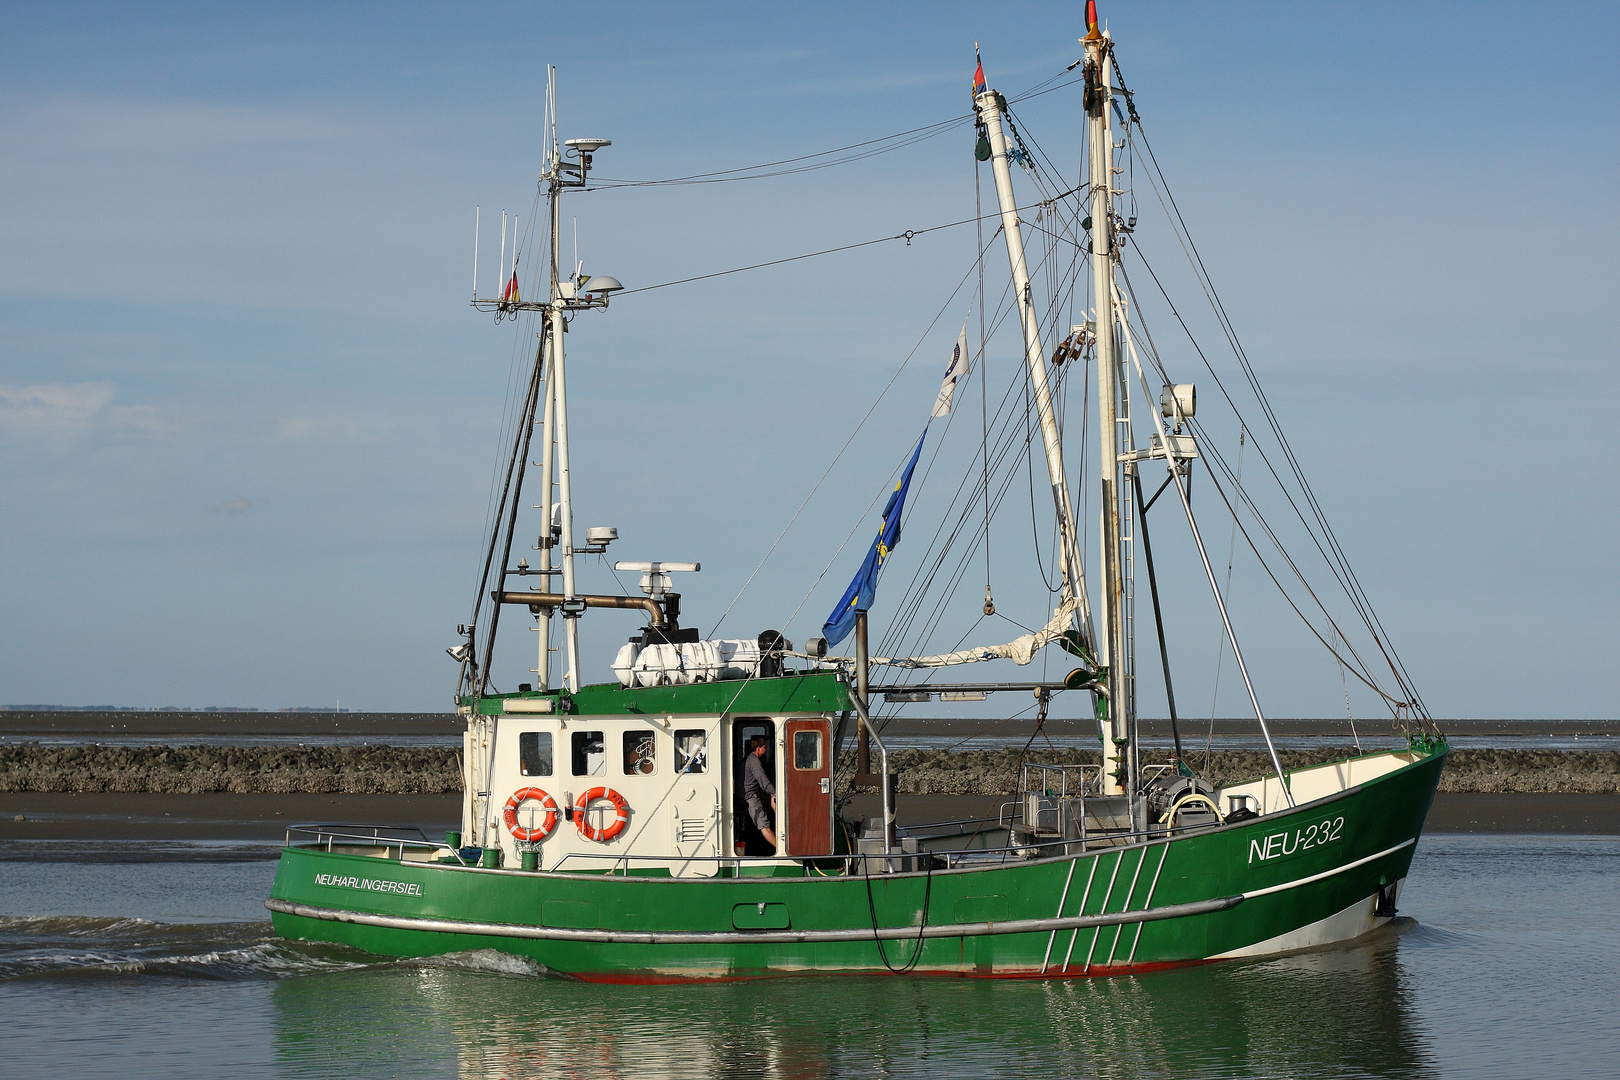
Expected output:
(614, 827)
(547, 803)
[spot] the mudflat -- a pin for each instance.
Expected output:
(114, 816)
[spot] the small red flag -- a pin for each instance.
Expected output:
(511, 295)
(978, 80)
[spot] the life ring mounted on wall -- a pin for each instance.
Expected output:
(547, 803)
(620, 822)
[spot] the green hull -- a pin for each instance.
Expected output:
(1322, 872)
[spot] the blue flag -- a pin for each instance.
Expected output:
(859, 595)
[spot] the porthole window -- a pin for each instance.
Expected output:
(534, 753)
(691, 751)
(640, 753)
(589, 753)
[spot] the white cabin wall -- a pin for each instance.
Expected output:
(468, 835)
(657, 801)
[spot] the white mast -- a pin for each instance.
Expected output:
(557, 418)
(990, 106)
(542, 669)
(564, 492)
(1100, 165)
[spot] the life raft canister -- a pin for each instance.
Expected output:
(614, 827)
(547, 803)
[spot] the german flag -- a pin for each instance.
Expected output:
(510, 296)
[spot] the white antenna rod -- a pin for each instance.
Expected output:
(500, 286)
(513, 274)
(475, 253)
(551, 109)
(576, 247)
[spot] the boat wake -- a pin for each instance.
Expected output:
(36, 947)
(91, 947)
(485, 960)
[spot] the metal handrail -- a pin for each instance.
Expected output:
(328, 833)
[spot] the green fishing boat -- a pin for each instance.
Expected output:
(689, 819)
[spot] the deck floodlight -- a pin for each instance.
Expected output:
(1178, 398)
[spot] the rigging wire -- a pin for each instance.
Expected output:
(1009, 436)
(859, 425)
(1334, 554)
(869, 148)
(1220, 642)
(931, 563)
(1213, 454)
(908, 235)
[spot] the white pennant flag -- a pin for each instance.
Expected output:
(958, 368)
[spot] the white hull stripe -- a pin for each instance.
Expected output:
(886, 933)
(1329, 873)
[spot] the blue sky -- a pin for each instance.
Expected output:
(247, 421)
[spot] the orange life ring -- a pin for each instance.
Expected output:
(547, 803)
(614, 827)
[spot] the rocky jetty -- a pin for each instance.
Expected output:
(200, 770)
(393, 770)
(991, 772)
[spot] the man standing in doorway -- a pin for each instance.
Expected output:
(758, 788)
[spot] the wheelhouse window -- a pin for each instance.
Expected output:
(589, 753)
(640, 753)
(534, 753)
(691, 751)
(807, 750)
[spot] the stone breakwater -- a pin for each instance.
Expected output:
(243, 770)
(993, 772)
(392, 770)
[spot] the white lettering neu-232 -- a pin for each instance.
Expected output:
(1280, 844)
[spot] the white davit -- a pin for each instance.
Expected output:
(688, 662)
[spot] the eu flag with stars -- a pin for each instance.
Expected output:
(859, 595)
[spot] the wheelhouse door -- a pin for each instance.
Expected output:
(808, 780)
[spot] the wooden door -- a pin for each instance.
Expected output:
(807, 776)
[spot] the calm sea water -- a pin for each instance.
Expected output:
(1508, 965)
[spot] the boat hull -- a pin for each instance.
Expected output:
(1323, 872)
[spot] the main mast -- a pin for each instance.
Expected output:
(1100, 174)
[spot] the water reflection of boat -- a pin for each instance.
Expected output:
(1328, 1013)
(608, 831)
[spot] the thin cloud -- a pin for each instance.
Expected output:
(237, 505)
(52, 408)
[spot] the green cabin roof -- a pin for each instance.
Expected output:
(817, 692)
